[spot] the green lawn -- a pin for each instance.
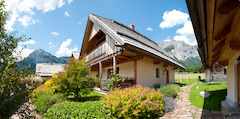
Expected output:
(218, 93)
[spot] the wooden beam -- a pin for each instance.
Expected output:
(222, 34)
(165, 65)
(223, 63)
(226, 8)
(135, 71)
(215, 55)
(175, 68)
(234, 45)
(219, 46)
(132, 59)
(156, 62)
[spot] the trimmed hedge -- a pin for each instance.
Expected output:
(77, 110)
(170, 90)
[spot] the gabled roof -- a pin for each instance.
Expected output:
(75, 54)
(123, 35)
(47, 69)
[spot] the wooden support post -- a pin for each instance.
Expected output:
(114, 70)
(135, 72)
(100, 74)
(188, 77)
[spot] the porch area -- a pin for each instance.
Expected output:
(122, 62)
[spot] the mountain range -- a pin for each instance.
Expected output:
(186, 54)
(40, 56)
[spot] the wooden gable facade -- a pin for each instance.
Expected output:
(105, 50)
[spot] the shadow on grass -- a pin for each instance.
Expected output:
(213, 102)
(180, 84)
(93, 96)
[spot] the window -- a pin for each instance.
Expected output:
(157, 73)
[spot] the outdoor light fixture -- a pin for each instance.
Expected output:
(238, 59)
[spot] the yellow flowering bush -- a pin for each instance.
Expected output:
(134, 102)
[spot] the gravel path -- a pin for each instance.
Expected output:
(185, 109)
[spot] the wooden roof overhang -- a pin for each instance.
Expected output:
(217, 29)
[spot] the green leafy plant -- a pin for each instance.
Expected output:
(77, 110)
(94, 82)
(74, 81)
(44, 100)
(134, 102)
(12, 80)
(113, 81)
(170, 90)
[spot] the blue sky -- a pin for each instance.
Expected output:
(58, 26)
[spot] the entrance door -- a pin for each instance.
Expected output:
(238, 79)
(167, 76)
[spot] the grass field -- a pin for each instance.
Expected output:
(218, 93)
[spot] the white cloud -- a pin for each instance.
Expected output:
(66, 14)
(69, 1)
(185, 33)
(24, 9)
(80, 22)
(51, 45)
(167, 40)
(27, 20)
(64, 49)
(31, 42)
(173, 18)
(55, 33)
(149, 29)
(22, 53)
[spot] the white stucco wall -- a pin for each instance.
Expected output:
(232, 93)
(146, 73)
(208, 75)
(93, 74)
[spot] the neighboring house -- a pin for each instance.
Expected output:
(47, 69)
(75, 55)
(109, 45)
(216, 73)
(217, 30)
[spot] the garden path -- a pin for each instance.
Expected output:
(185, 109)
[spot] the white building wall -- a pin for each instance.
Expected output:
(232, 93)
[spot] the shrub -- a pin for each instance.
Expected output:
(134, 102)
(44, 100)
(77, 110)
(112, 81)
(94, 82)
(169, 104)
(75, 80)
(170, 90)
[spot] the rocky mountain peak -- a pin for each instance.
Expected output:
(181, 51)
